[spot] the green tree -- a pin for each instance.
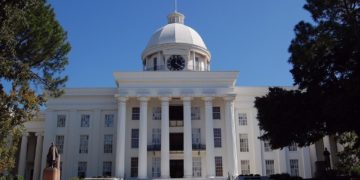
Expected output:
(325, 59)
(33, 53)
(348, 157)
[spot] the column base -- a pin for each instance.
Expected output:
(165, 177)
(188, 176)
(210, 176)
(142, 177)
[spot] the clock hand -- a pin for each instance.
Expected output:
(177, 63)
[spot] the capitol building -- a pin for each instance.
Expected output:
(174, 119)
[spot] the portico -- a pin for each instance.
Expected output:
(203, 88)
(186, 155)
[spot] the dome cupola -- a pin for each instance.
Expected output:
(176, 17)
(176, 47)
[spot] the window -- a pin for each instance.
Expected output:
(197, 166)
(59, 142)
(84, 143)
(244, 144)
(134, 167)
(107, 166)
(156, 136)
(155, 64)
(218, 166)
(196, 140)
(216, 112)
(217, 137)
(134, 138)
(294, 167)
(85, 120)
(267, 147)
(82, 166)
(108, 143)
(61, 118)
(109, 120)
(155, 167)
(195, 113)
(157, 113)
(135, 115)
(245, 167)
(242, 119)
(293, 147)
(269, 166)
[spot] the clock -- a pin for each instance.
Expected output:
(176, 63)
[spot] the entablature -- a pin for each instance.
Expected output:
(175, 92)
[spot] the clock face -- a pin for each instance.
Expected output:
(176, 63)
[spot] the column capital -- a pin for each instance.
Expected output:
(229, 98)
(164, 99)
(39, 134)
(25, 134)
(121, 98)
(185, 99)
(143, 99)
(208, 98)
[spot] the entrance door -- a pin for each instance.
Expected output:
(176, 142)
(176, 168)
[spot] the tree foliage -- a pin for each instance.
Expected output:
(325, 59)
(349, 157)
(33, 53)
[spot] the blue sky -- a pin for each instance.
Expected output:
(248, 36)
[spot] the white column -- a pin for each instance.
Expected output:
(23, 151)
(37, 162)
(165, 153)
(306, 162)
(313, 158)
(209, 131)
(282, 160)
(326, 140)
(187, 138)
(231, 136)
(120, 138)
(142, 171)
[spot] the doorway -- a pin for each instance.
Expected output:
(176, 168)
(176, 141)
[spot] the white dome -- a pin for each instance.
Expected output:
(176, 33)
(175, 36)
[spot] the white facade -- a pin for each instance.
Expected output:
(175, 119)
